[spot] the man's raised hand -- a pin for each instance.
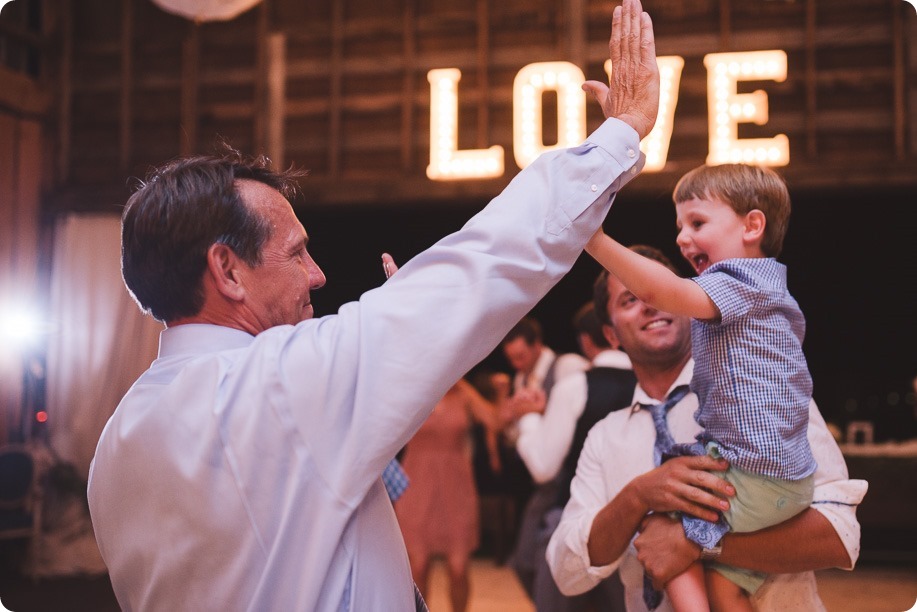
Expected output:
(633, 91)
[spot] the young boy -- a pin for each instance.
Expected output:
(750, 374)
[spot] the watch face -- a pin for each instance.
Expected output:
(711, 554)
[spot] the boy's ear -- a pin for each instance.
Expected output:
(755, 222)
(223, 268)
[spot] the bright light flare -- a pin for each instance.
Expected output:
(20, 326)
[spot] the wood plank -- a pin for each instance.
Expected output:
(336, 67)
(899, 89)
(127, 73)
(275, 108)
(65, 84)
(811, 81)
(259, 120)
(191, 53)
(409, 51)
(483, 68)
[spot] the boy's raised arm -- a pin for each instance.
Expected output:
(650, 281)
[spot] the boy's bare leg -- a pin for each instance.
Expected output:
(687, 591)
(726, 595)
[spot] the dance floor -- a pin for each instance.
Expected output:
(868, 588)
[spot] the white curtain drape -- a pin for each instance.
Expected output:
(99, 343)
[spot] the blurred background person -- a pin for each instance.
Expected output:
(439, 512)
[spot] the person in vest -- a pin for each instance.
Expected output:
(550, 440)
(537, 370)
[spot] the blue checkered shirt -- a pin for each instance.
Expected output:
(750, 374)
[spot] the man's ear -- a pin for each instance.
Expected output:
(611, 336)
(755, 222)
(223, 266)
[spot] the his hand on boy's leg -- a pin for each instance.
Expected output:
(685, 484)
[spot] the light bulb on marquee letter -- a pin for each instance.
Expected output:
(446, 161)
(656, 144)
(728, 108)
(530, 83)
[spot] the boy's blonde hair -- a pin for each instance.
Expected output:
(744, 188)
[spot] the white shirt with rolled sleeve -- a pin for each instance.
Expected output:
(564, 365)
(620, 448)
(243, 473)
(545, 439)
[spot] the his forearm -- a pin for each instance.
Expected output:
(806, 542)
(614, 527)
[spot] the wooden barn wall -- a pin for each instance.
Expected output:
(340, 88)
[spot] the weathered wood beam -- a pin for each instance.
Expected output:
(409, 53)
(275, 108)
(335, 99)
(65, 92)
(483, 67)
(811, 81)
(190, 67)
(259, 136)
(900, 82)
(127, 74)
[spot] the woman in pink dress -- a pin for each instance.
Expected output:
(438, 512)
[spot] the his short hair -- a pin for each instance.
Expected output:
(527, 328)
(586, 321)
(744, 188)
(185, 206)
(600, 295)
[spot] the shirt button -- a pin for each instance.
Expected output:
(594, 188)
(631, 153)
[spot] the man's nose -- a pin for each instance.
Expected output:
(316, 276)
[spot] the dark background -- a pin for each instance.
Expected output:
(850, 255)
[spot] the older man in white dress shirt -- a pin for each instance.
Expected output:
(616, 485)
(242, 470)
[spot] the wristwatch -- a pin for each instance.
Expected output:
(712, 553)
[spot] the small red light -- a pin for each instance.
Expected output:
(41, 416)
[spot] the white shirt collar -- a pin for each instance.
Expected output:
(197, 338)
(684, 378)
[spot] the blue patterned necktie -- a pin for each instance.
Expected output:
(664, 443)
(394, 479)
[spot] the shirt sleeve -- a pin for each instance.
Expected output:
(836, 496)
(732, 296)
(569, 364)
(545, 439)
(360, 383)
(567, 553)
